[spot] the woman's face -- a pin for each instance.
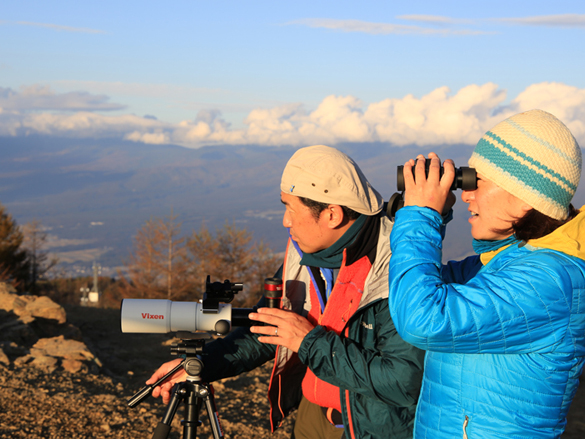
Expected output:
(492, 209)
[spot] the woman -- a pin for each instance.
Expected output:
(505, 330)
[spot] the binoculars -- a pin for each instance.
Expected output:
(465, 179)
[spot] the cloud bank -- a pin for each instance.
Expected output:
(439, 117)
(39, 97)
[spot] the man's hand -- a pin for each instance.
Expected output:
(165, 388)
(288, 328)
(433, 191)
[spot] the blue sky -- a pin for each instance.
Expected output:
(266, 72)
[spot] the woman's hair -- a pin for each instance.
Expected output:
(535, 224)
(317, 207)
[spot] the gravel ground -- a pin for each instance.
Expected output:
(61, 405)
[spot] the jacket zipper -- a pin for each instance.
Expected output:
(465, 426)
(349, 420)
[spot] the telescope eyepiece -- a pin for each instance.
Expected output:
(273, 291)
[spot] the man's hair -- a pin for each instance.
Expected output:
(536, 224)
(316, 208)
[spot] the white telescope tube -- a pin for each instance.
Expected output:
(163, 316)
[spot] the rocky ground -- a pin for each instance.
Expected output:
(40, 399)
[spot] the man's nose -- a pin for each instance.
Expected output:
(286, 220)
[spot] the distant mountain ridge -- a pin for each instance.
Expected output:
(94, 195)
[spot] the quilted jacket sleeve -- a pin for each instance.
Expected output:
(518, 307)
(380, 366)
(460, 272)
(238, 352)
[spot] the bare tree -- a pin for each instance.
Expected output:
(229, 255)
(157, 266)
(175, 264)
(163, 264)
(202, 250)
(40, 261)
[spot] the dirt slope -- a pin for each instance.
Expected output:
(61, 405)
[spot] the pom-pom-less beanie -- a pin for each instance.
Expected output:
(533, 156)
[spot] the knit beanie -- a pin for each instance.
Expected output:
(533, 156)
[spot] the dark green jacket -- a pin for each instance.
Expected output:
(378, 374)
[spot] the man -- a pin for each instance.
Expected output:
(335, 347)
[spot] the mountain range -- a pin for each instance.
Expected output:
(92, 196)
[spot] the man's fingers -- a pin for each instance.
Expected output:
(265, 330)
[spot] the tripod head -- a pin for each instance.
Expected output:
(191, 348)
(191, 345)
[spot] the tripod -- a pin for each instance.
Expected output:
(193, 392)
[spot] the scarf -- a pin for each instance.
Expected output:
(332, 257)
(484, 246)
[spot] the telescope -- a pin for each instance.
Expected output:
(193, 322)
(213, 313)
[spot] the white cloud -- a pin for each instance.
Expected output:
(59, 27)
(562, 20)
(38, 97)
(439, 117)
(565, 102)
(138, 89)
(79, 125)
(381, 28)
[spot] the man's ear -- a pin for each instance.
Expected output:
(335, 216)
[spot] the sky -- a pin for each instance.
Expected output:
(197, 73)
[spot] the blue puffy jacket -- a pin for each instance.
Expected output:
(505, 342)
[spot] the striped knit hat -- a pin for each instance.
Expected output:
(533, 156)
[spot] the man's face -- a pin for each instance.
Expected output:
(310, 233)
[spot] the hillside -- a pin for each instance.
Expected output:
(39, 399)
(93, 196)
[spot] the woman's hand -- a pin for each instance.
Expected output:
(288, 328)
(432, 191)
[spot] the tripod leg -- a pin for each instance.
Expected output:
(212, 414)
(192, 409)
(164, 426)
